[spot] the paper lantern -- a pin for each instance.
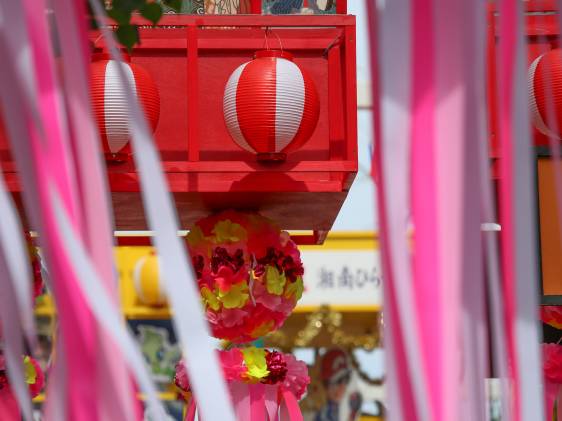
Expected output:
(249, 274)
(110, 103)
(271, 106)
(545, 84)
(272, 381)
(147, 281)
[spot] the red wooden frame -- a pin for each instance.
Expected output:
(190, 57)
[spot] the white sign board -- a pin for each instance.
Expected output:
(342, 278)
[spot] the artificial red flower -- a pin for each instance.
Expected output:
(552, 315)
(552, 362)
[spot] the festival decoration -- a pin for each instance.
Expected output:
(545, 76)
(249, 274)
(272, 380)
(110, 103)
(148, 285)
(552, 371)
(552, 315)
(271, 106)
(35, 379)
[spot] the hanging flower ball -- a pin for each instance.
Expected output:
(269, 379)
(545, 84)
(148, 283)
(271, 106)
(249, 274)
(110, 102)
(253, 365)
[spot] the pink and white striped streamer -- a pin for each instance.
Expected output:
(431, 55)
(114, 388)
(189, 321)
(517, 216)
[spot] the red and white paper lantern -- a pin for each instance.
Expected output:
(271, 106)
(545, 84)
(110, 103)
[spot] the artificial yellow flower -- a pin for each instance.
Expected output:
(210, 299)
(29, 369)
(236, 296)
(295, 289)
(228, 231)
(195, 236)
(254, 358)
(275, 280)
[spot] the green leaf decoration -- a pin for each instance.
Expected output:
(152, 12)
(122, 17)
(128, 35)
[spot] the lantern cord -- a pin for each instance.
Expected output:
(266, 39)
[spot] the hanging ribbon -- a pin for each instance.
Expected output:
(99, 301)
(272, 402)
(189, 320)
(517, 216)
(257, 402)
(408, 397)
(116, 394)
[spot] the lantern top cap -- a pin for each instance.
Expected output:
(274, 53)
(106, 56)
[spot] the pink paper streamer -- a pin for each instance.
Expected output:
(272, 402)
(427, 285)
(454, 195)
(517, 216)
(50, 155)
(241, 400)
(257, 402)
(190, 413)
(116, 392)
(290, 410)
(506, 75)
(9, 409)
(407, 398)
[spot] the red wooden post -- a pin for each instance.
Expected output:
(255, 6)
(350, 91)
(192, 94)
(335, 116)
(341, 7)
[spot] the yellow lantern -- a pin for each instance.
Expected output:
(147, 280)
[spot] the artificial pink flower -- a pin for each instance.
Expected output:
(233, 364)
(270, 301)
(231, 317)
(297, 379)
(180, 378)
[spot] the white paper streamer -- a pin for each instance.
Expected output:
(191, 326)
(525, 255)
(16, 307)
(395, 62)
(102, 306)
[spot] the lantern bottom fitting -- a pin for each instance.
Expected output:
(272, 157)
